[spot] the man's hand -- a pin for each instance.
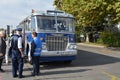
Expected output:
(22, 55)
(1, 54)
(21, 51)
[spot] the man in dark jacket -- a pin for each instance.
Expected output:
(2, 48)
(17, 54)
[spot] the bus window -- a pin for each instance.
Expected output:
(46, 23)
(33, 26)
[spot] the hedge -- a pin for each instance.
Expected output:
(111, 39)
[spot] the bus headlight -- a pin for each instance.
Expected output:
(72, 46)
(44, 47)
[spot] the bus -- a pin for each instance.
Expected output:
(56, 30)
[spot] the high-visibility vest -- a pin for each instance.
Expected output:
(38, 47)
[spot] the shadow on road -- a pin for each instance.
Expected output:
(65, 71)
(85, 58)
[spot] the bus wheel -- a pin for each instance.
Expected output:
(68, 62)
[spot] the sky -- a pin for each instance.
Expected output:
(12, 12)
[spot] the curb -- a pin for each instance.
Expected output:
(91, 45)
(114, 48)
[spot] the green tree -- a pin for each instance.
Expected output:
(89, 13)
(1, 29)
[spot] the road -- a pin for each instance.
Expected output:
(92, 63)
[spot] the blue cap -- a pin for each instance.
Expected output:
(19, 29)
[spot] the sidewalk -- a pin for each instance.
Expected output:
(90, 45)
(99, 46)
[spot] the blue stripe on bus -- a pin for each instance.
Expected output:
(43, 35)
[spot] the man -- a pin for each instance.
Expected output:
(17, 54)
(36, 46)
(2, 48)
(9, 46)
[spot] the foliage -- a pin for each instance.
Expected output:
(100, 41)
(1, 29)
(90, 12)
(111, 39)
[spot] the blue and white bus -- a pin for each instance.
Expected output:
(56, 31)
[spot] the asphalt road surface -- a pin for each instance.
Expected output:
(92, 63)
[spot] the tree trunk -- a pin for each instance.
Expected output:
(87, 37)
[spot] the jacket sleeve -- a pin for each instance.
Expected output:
(32, 47)
(0, 45)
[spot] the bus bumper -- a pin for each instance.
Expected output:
(58, 56)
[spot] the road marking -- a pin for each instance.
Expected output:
(113, 77)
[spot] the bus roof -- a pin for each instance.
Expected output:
(52, 13)
(57, 13)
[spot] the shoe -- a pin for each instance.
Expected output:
(37, 75)
(15, 76)
(21, 76)
(1, 70)
(32, 74)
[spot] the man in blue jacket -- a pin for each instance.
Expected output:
(36, 46)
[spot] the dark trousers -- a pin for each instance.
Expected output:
(17, 65)
(36, 66)
(1, 60)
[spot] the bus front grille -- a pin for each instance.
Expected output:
(56, 43)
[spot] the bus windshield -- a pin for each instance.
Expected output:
(47, 23)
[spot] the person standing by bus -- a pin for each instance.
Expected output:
(17, 53)
(9, 44)
(36, 46)
(8, 51)
(2, 48)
